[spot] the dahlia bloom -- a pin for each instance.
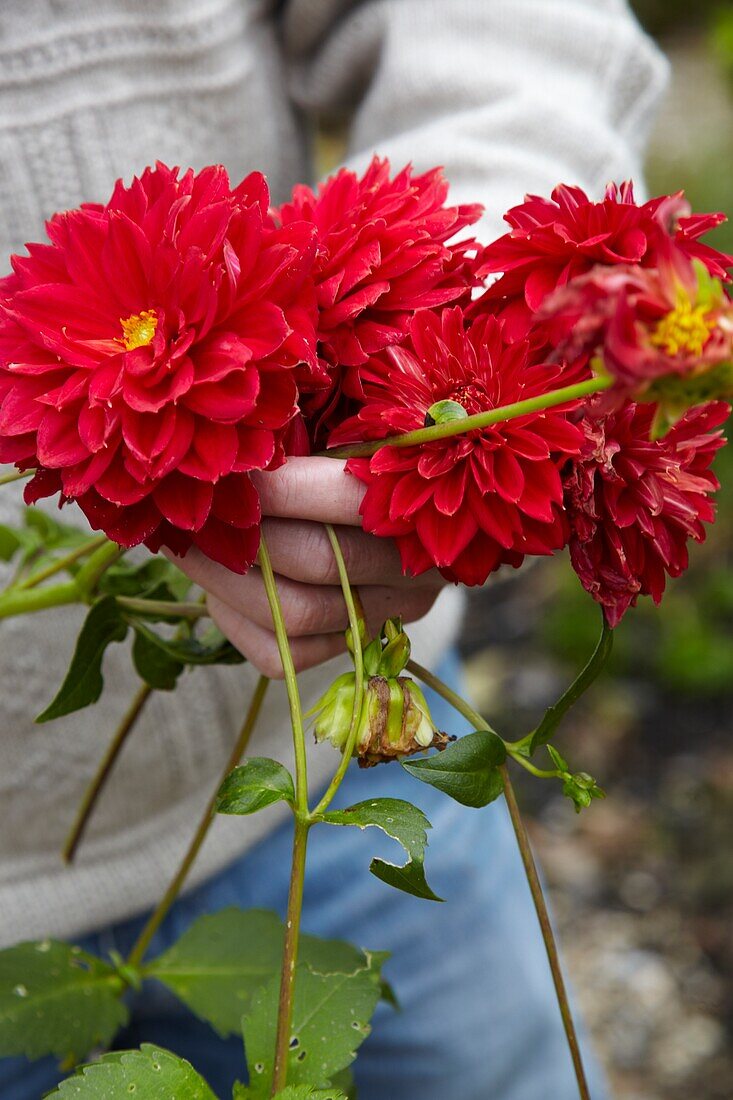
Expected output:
(633, 503)
(382, 254)
(552, 241)
(150, 355)
(663, 334)
(470, 502)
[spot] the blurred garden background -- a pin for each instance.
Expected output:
(642, 883)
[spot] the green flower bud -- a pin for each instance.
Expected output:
(334, 710)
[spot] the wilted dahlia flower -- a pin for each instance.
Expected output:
(471, 502)
(633, 502)
(551, 241)
(382, 254)
(149, 356)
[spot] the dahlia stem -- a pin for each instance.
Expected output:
(555, 714)
(16, 601)
(477, 420)
(102, 773)
(530, 871)
(175, 609)
(303, 822)
(161, 910)
(291, 683)
(356, 616)
(450, 696)
(60, 564)
(17, 475)
(96, 565)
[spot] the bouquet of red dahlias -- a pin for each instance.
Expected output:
(562, 387)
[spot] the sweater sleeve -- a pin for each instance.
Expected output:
(509, 96)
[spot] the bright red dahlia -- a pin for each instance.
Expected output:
(552, 241)
(471, 502)
(633, 503)
(149, 357)
(382, 254)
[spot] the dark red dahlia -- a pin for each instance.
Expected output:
(150, 354)
(552, 241)
(469, 503)
(382, 254)
(634, 503)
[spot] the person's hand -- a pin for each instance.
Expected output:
(297, 500)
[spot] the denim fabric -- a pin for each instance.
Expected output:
(478, 1018)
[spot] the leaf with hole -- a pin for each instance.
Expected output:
(148, 1074)
(255, 784)
(56, 999)
(467, 770)
(84, 682)
(331, 1014)
(405, 824)
(224, 958)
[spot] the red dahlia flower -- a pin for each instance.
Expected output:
(633, 503)
(663, 334)
(471, 502)
(149, 356)
(381, 256)
(552, 241)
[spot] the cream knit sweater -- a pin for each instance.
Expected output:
(510, 95)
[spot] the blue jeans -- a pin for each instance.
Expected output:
(478, 1017)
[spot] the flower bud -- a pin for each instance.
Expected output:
(334, 710)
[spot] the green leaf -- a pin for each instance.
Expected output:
(331, 1014)
(405, 824)
(467, 770)
(84, 681)
(223, 958)
(255, 784)
(10, 542)
(290, 1092)
(211, 649)
(149, 1073)
(153, 664)
(56, 999)
(155, 577)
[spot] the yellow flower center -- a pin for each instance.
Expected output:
(685, 330)
(138, 330)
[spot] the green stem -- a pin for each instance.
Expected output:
(16, 601)
(477, 720)
(17, 475)
(520, 758)
(533, 881)
(355, 615)
(543, 917)
(161, 910)
(173, 608)
(290, 955)
(97, 783)
(554, 714)
(62, 563)
(477, 420)
(88, 577)
(80, 589)
(303, 822)
(291, 683)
